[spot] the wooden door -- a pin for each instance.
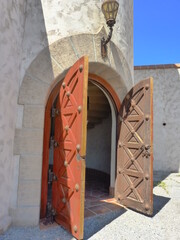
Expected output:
(134, 181)
(68, 187)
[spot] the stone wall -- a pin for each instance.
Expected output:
(166, 114)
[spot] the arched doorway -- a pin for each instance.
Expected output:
(65, 130)
(98, 151)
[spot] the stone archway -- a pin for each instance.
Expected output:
(44, 73)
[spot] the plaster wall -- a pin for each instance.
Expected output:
(98, 153)
(12, 14)
(50, 20)
(166, 115)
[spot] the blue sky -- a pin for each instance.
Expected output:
(156, 32)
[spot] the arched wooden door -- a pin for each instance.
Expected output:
(134, 181)
(68, 187)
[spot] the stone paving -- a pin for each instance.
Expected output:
(123, 224)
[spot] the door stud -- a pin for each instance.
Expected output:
(147, 176)
(68, 94)
(147, 117)
(147, 207)
(65, 163)
(78, 147)
(147, 86)
(128, 97)
(81, 68)
(79, 109)
(77, 187)
(66, 128)
(63, 84)
(75, 229)
(64, 200)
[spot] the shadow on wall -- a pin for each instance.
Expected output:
(35, 35)
(29, 127)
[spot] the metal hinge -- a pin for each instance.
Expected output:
(51, 177)
(53, 143)
(50, 212)
(55, 112)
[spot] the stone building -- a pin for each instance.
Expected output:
(39, 42)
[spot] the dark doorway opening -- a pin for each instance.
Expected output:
(98, 153)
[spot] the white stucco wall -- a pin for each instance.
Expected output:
(98, 153)
(12, 14)
(50, 20)
(27, 27)
(166, 110)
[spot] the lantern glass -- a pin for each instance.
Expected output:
(110, 9)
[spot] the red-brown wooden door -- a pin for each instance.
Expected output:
(70, 149)
(134, 181)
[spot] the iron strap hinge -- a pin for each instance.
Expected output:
(55, 112)
(53, 143)
(51, 177)
(50, 211)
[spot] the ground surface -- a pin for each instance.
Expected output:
(123, 224)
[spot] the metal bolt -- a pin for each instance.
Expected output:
(147, 117)
(79, 109)
(78, 147)
(132, 159)
(63, 84)
(68, 94)
(64, 200)
(147, 147)
(133, 131)
(119, 170)
(66, 128)
(128, 97)
(147, 207)
(81, 68)
(147, 86)
(77, 187)
(147, 176)
(75, 229)
(65, 163)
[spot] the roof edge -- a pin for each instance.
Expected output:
(158, 66)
